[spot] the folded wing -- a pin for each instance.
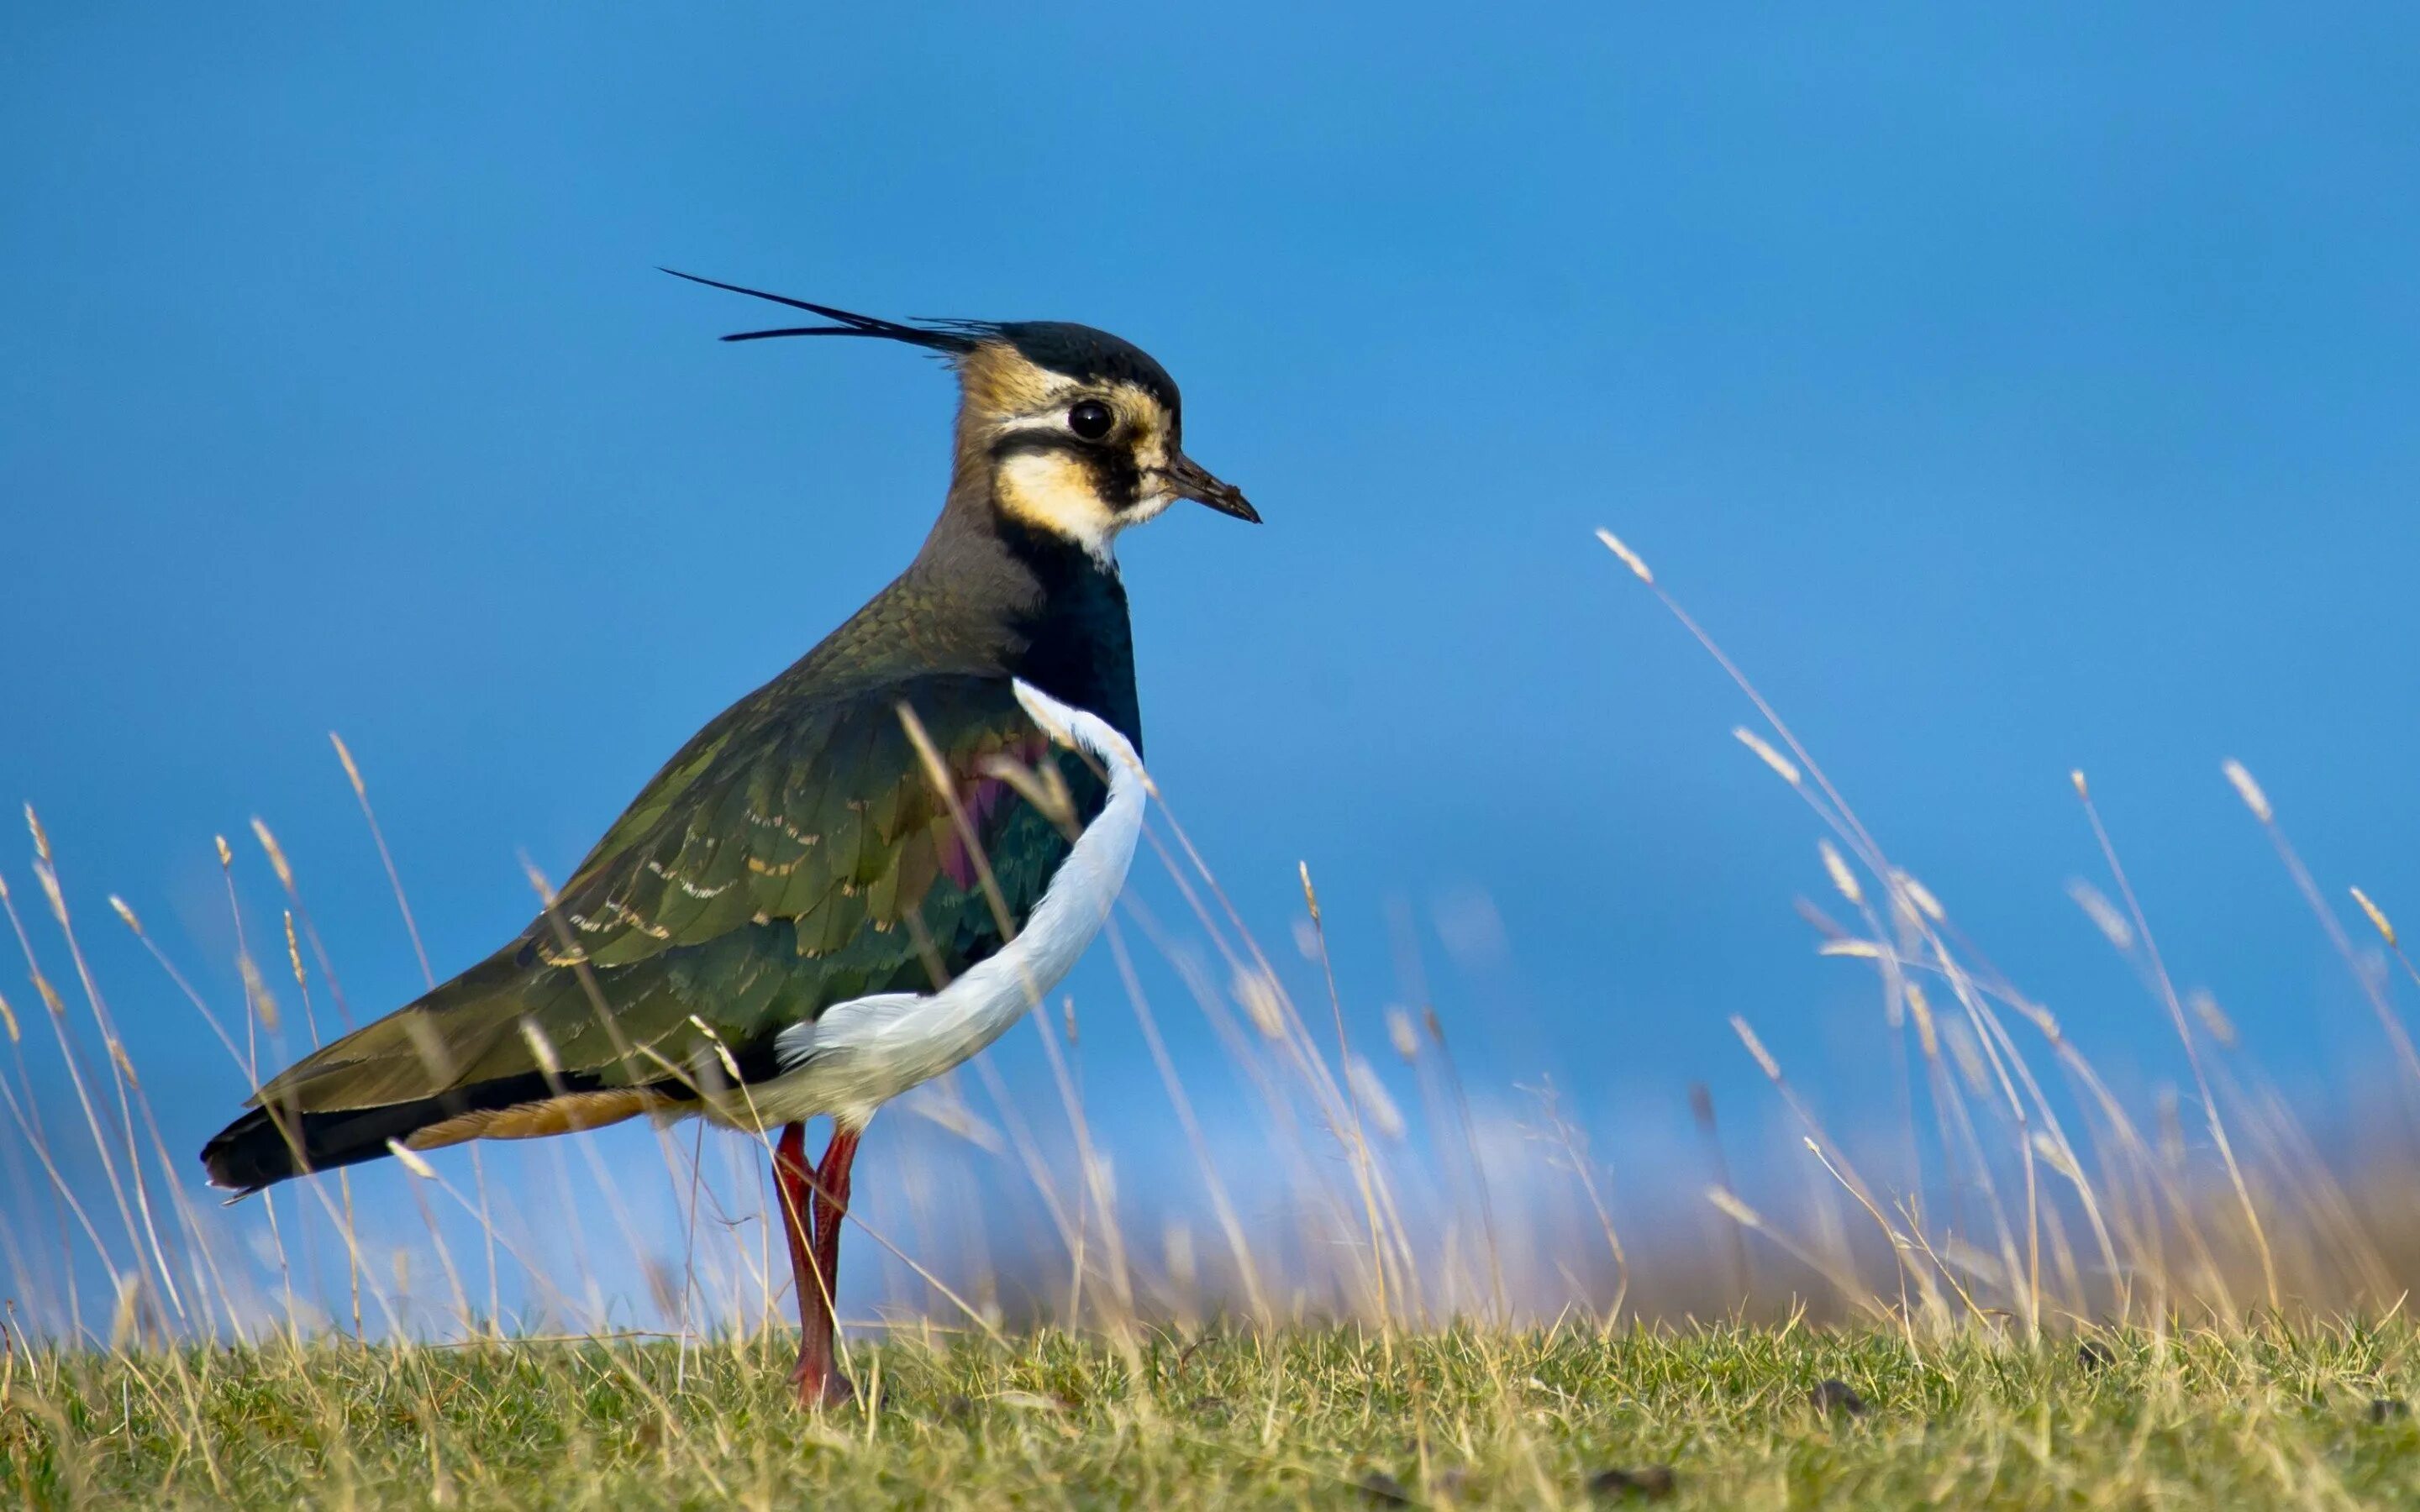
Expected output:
(788, 858)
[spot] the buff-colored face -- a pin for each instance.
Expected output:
(1079, 458)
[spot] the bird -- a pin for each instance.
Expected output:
(855, 878)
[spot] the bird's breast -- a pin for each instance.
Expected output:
(861, 1054)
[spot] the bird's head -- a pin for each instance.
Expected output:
(1078, 433)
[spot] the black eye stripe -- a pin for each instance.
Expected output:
(1027, 442)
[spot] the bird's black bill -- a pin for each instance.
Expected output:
(1193, 481)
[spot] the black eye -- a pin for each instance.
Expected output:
(1091, 419)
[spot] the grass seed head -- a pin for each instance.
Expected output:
(353, 773)
(2104, 914)
(1376, 1102)
(2043, 1019)
(1258, 997)
(1842, 878)
(2376, 917)
(276, 854)
(1822, 922)
(1921, 896)
(2248, 789)
(1969, 1056)
(411, 1162)
(1926, 1036)
(2213, 1018)
(294, 952)
(1733, 1209)
(264, 1002)
(50, 881)
(722, 1052)
(1755, 1048)
(1782, 765)
(1629, 558)
(2054, 1155)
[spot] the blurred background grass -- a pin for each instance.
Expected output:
(1343, 1168)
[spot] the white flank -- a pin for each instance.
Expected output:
(862, 1052)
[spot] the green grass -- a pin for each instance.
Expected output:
(2272, 1416)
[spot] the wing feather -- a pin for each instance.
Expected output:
(788, 858)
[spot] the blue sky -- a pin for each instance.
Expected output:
(2008, 392)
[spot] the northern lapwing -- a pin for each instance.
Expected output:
(855, 878)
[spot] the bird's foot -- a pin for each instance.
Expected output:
(820, 1385)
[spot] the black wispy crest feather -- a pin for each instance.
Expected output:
(954, 337)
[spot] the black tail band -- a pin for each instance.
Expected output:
(264, 1147)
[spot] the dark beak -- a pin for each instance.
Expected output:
(1192, 479)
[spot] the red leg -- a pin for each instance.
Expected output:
(794, 1185)
(812, 1206)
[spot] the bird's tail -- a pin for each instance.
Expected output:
(462, 1064)
(272, 1142)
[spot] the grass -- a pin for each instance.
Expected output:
(2265, 1416)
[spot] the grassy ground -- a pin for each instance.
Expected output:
(1729, 1418)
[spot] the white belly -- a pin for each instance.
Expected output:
(862, 1052)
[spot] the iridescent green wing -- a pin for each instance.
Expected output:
(793, 855)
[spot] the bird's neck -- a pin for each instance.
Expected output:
(1079, 642)
(1022, 601)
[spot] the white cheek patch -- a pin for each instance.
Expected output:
(1054, 492)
